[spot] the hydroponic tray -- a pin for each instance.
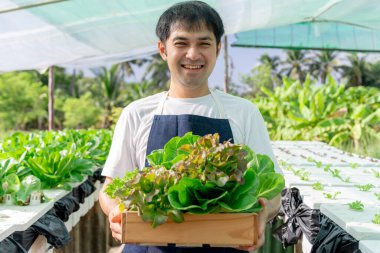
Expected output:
(315, 198)
(356, 223)
(369, 246)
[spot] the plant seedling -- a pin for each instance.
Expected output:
(317, 186)
(354, 165)
(365, 187)
(376, 219)
(376, 173)
(356, 205)
(331, 196)
(302, 174)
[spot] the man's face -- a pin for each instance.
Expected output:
(191, 56)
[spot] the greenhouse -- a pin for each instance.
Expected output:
(112, 142)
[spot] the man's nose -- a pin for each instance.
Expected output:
(193, 54)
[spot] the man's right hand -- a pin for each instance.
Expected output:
(114, 218)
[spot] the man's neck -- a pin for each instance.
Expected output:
(188, 92)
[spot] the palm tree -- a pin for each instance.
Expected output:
(294, 64)
(110, 80)
(127, 66)
(323, 64)
(374, 74)
(157, 71)
(356, 73)
(273, 63)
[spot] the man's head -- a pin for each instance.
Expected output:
(190, 16)
(190, 34)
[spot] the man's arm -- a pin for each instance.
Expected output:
(111, 209)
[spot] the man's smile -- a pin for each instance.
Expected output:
(191, 66)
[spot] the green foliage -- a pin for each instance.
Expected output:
(259, 77)
(356, 205)
(83, 112)
(198, 175)
(346, 118)
(23, 100)
(55, 158)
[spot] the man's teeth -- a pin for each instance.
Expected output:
(193, 66)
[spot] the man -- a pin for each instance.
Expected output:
(189, 40)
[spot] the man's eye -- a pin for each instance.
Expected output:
(205, 44)
(180, 44)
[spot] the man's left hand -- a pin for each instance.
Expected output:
(262, 221)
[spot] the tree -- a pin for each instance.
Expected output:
(81, 112)
(294, 64)
(273, 63)
(157, 71)
(259, 77)
(323, 64)
(356, 71)
(23, 101)
(374, 75)
(110, 81)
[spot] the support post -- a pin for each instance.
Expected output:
(226, 70)
(51, 98)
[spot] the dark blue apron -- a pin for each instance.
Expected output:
(164, 128)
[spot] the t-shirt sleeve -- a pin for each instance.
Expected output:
(122, 157)
(257, 136)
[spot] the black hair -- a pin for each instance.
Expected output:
(191, 15)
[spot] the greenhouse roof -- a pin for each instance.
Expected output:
(36, 34)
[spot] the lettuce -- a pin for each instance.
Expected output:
(198, 175)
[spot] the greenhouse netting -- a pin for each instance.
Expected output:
(38, 34)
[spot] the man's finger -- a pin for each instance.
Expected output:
(116, 218)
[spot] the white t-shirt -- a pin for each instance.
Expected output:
(128, 149)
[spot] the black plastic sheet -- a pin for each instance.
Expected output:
(66, 206)
(301, 219)
(97, 176)
(52, 228)
(332, 238)
(9, 245)
(83, 191)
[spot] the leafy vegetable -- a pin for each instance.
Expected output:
(356, 205)
(28, 185)
(197, 175)
(10, 183)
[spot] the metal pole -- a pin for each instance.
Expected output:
(51, 98)
(226, 77)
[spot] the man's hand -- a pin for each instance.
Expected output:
(262, 219)
(114, 218)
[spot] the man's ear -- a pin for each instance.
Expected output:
(162, 50)
(218, 48)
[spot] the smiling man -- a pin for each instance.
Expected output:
(189, 41)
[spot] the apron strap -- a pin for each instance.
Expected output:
(219, 106)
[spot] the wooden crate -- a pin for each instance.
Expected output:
(224, 229)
